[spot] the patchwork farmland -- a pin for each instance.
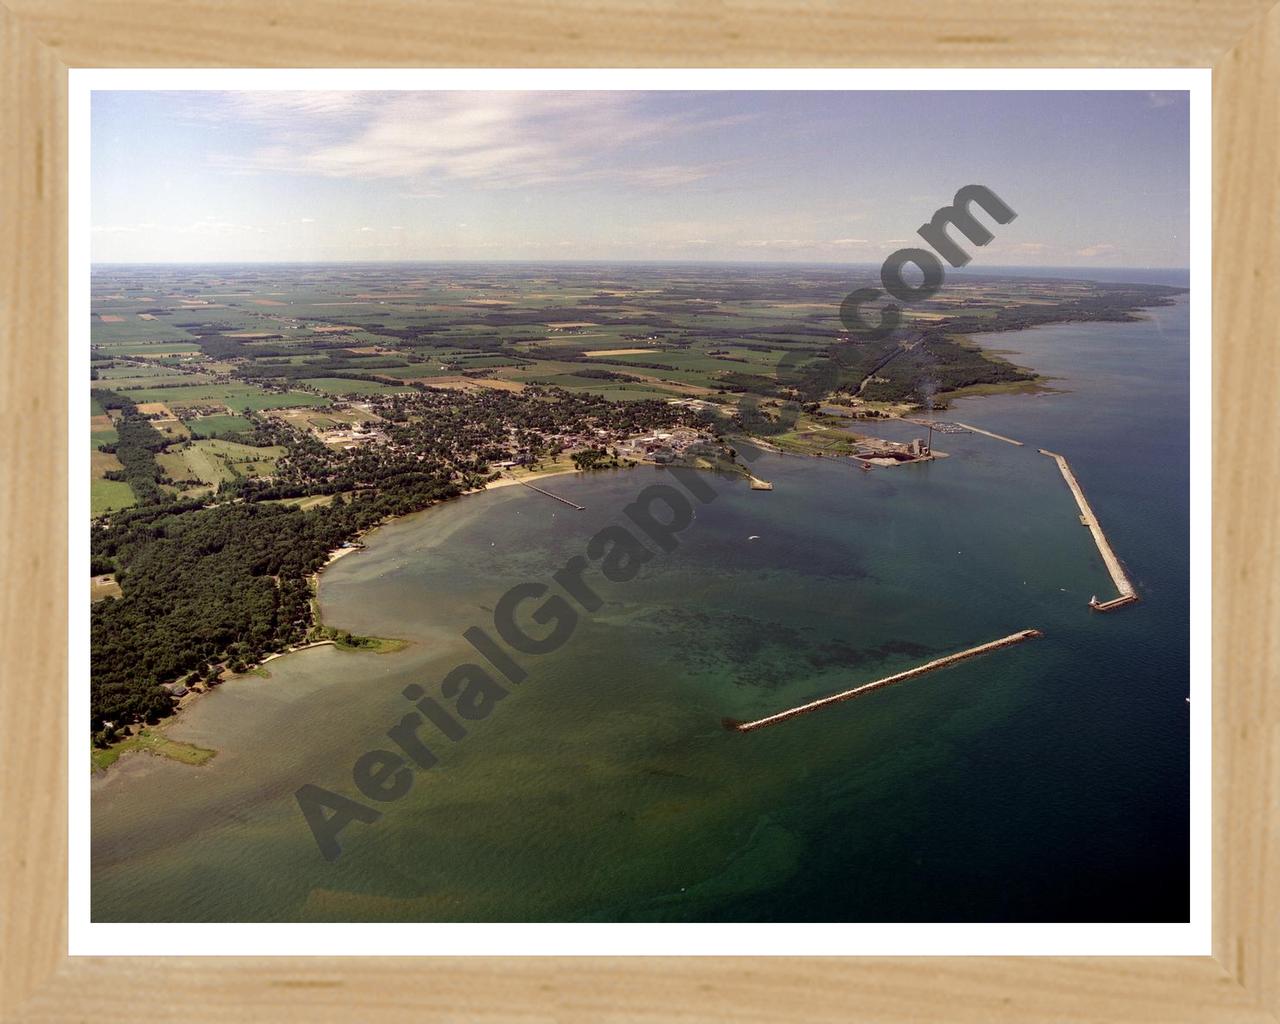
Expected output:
(211, 356)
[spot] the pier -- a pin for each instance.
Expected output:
(522, 483)
(911, 673)
(1128, 595)
(988, 433)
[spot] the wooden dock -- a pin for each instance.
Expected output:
(571, 504)
(911, 673)
(1128, 595)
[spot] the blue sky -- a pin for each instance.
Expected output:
(1097, 178)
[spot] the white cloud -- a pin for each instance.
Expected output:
(307, 220)
(663, 177)
(285, 107)
(784, 244)
(496, 139)
(207, 226)
(1100, 249)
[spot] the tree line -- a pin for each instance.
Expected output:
(204, 588)
(136, 445)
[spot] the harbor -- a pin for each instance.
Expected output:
(899, 677)
(956, 427)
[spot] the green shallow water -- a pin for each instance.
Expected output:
(1044, 782)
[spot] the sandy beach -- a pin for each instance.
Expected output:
(507, 481)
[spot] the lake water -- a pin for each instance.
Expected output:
(1045, 782)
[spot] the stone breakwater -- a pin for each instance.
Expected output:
(899, 677)
(1128, 595)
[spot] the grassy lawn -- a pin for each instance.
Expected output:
(131, 333)
(131, 371)
(145, 349)
(176, 466)
(236, 396)
(244, 459)
(152, 743)
(166, 380)
(345, 641)
(172, 429)
(562, 464)
(343, 386)
(211, 426)
(211, 461)
(288, 400)
(109, 495)
(205, 465)
(236, 450)
(813, 442)
(370, 644)
(310, 501)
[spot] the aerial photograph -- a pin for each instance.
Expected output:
(638, 506)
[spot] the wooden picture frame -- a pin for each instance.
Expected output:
(41, 39)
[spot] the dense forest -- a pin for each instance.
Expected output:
(935, 365)
(207, 586)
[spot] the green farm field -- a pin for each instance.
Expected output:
(108, 496)
(343, 386)
(235, 396)
(221, 345)
(214, 426)
(214, 461)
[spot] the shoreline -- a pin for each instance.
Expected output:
(321, 635)
(509, 481)
(148, 738)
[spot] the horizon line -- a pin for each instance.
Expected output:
(605, 260)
